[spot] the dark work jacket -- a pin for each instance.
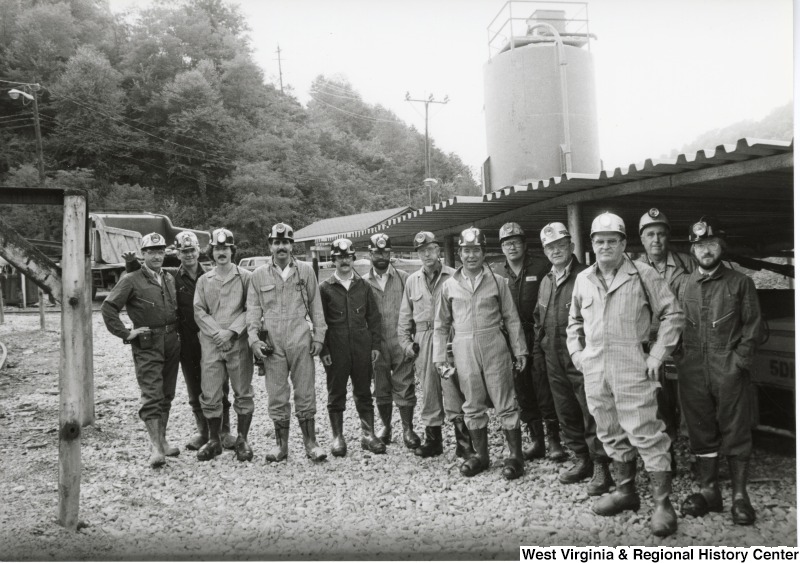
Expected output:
(352, 316)
(561, 303)
(525, 288)
(147, 303)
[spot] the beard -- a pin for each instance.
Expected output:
(710, 262)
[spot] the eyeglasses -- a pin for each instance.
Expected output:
(713, 246)
(515, 243)
(611, 243)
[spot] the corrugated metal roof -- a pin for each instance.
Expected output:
(329, 229)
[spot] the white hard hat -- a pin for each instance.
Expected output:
(608, 223)
(553, 232)
(153, 240)
(653, 217)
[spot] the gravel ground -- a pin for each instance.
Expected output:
(364, 506)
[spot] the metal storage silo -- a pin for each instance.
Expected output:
(539, 95)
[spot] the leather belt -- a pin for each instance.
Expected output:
(165, 329)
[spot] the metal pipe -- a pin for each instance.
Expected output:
(575, 229)
(776, 431)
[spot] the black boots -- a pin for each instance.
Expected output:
(556, 451)
(741, 510)
(480, 461)
(536, 450)
(169, 451)
(338, 446)
(281, 449)
(213, 447)
(432, 446)
(580, 470)
(368, 439)
(156, 448)
(385, 414)
(664, 521)
(624, 496)
(228, 442)
(601, 481)
(709, 499)
(201, 437)
(513, 465)
(313, 451)
(243, 450)
(410, 438)
(463, 441)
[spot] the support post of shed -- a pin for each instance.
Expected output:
(576, 230)
(449, 251)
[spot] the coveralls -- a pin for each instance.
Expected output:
(281, 308)
(482, 356)
(551, 317)
(354, 330)
(607, 334)
(153, 305)
(723, 327)
(394, 372)
(440, 397)
(219, 303)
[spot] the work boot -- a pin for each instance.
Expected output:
(536, 449)
(385, 412)
(243, 450)
(580, 470)
(556, 452)
(213, 447)
(369, 441)
(709, 498)
(201, 437)
(281, 449)
(410, 438)
(169, 451)
(432, 446)
(741, 510)
(156, 449)
(463, 441)
(338, 446)
(664, 521)
(228, 442)
(313, 451)
(513, 465)
(480, 461)
(624, 496)
(601, 481)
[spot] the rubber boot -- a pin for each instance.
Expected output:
(410, 438)
(601, 481)
(281, 450)
(513, 465)
(709, 498)
(201, 437)
(313, 451)
(580, 470)
(228, 442)
(213, 447)
(664, 521)
(624, 496)
(338, 446)
(556, 450)
(480, 461)
(243, 450)
(432, 446)
(368, 439)
(169, 451)
(536, 450)
(464, 448)
(157, 458)
(742, 511)
(385, 412)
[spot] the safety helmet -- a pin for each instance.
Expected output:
(553, 232)
(653, 217)
(281, 231)
(342, 247)
(608, 223)
(380, 241)
(705, 228)
(511, 230)
(472, 237)
(153, 240)
(423, 238)
(222, 237)
(186, 239)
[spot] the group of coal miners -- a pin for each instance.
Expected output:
(574, 352)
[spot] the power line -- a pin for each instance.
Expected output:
(357, 115)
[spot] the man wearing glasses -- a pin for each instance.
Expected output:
(613, 304)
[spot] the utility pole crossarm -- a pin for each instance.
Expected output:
(427, 102)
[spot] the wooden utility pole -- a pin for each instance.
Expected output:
(280, 71)
(427, 102)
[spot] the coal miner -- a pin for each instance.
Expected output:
(551, 317)
(352, 344)
(477, 305)
(723, 327)
(394, 371)
(283, 294)
(441, 398)
(219, 309)
(613, 304)
(524, 272)
(148, 296)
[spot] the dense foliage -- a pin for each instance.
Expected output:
(163, 109)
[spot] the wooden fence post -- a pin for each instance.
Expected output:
(42, 325)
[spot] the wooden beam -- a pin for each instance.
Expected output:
(29, 260)
(576, 230)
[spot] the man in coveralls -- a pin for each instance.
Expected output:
(477, 305)
(148, 296)
(723, 327)
(394, 371)
(219, 309)
(188, 248)
(441, 398)
(551, 317)
(524, 273)
(613, 304)
(282, 293)
(352, 342)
